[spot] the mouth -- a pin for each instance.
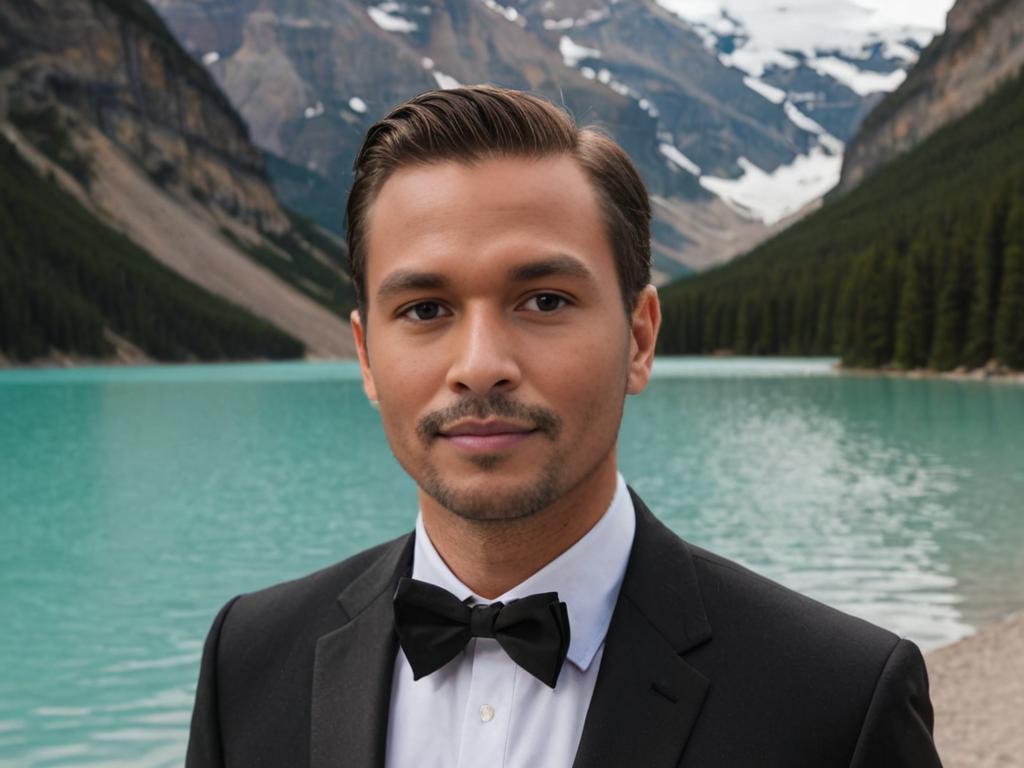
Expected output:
(489, 436)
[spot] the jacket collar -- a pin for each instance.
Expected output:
(354, 665)
(644, 684)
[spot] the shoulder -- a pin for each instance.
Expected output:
(309, 604)
(738, 600)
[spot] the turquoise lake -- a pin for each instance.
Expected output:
(135, 502)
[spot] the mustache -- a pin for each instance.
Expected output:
(496, 405)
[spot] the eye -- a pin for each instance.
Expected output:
(424, 311)
(545, 302)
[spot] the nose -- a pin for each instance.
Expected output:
(483, 356)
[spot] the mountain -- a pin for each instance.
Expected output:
(920, 265)
(138, 220)
(980, 49)
(733, 131)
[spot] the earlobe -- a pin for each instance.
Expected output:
(359, 335)
(646, 321)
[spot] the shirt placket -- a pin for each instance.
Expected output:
(488, 715)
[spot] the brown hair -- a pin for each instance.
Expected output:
(471, 123)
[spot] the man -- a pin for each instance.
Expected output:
(539, 615)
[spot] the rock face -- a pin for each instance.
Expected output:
(310, 76)
(101, 88)
(982, 47)
(123, 73)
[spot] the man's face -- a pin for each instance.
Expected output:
(495, 340)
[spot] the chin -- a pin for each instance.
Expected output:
(487, 496)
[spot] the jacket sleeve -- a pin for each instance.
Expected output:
(205, 749)
(897, 729)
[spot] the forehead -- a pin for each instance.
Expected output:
(451, 216)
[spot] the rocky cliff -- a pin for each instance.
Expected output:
(730, 133)
(983, 46)
(100, 99)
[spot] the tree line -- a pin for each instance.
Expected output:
(922, 265)
(66, 279)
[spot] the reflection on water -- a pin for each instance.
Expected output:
(134, 502)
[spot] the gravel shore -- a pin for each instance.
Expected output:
(977, 688)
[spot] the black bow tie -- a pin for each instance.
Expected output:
(433, 625)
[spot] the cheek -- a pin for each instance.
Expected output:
(588, 376)
(407, 385)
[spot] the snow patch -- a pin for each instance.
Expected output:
(755, 61)
(427, 62)
(807, 26)
(592, 16)
(444, 81)
(672, 153)
(310, 112)
(511, 14)
(859, 81)
(802, 121)
(357, 105)
(573, 54)
(566, 23)
(211, 58)
(383, 16)
(770, 92)
(831, 144)
(770, 197)
(893, 49)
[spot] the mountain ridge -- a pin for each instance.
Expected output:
(99, 99)
(979, 50)
(921, 265)
(311, 76)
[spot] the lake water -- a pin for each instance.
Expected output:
(134, 502)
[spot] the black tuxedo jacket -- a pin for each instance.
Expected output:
(706, 665)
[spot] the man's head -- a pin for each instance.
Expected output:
(494, 246)
(471, 124)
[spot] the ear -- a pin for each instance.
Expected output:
(359, 334)
(644, 325)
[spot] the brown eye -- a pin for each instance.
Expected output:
(424, 311)
(546, 302)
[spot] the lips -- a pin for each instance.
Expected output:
(486, 436)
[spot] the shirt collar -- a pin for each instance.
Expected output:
(587, 576)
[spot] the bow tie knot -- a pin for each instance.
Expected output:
(433, 626)
(482, 618)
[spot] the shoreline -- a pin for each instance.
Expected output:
(991, 374)
(977, 690)
(134, 358)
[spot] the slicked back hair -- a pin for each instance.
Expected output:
(479, 122)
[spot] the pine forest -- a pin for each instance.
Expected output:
(922, 265)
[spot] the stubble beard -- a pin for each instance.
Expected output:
(487, 505)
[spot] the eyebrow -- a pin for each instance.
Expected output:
(553, 266)
(403, 280)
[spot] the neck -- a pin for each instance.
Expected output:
(491, 557)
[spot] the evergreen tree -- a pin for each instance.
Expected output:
(916, 309)
(935, 221)
(988, 254)
(953, 308)
(1009, 345)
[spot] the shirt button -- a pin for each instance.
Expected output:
(486, 713)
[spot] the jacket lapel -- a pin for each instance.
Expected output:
(353, 669)
(647, 698)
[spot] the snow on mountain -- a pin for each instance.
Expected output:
(865, 46)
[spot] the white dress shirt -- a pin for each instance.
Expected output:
(481, 710)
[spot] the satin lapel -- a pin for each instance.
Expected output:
(647, 698)
(353, 670)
